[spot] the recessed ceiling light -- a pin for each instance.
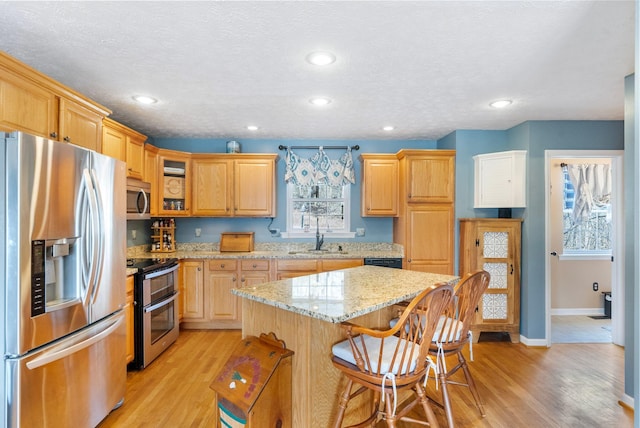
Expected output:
(320, 101)
(143, 99)
(388, 128)
(252, 127)
(321, 58)
(500, 103)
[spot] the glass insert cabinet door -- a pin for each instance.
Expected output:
(497, 258)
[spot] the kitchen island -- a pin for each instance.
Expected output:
(306, 313)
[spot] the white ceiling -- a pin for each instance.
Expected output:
(427, 67)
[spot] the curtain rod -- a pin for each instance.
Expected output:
(281, 147)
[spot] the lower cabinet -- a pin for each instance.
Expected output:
(207, 284)
(128, 316)
(291, 268)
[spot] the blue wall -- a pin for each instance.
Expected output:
(376, 229)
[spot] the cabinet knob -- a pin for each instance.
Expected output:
(234, 279)
(222, 266)
(53, 135)
(409, 260)
(242, 280)
(255, 265)
(67, 139)
(198, 269)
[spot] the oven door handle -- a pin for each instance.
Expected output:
(161, 304)
(161, 272)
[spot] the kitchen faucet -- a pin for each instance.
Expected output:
(319, 240)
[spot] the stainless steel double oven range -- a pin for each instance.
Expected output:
(155, 322)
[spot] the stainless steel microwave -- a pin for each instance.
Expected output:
(138, 200)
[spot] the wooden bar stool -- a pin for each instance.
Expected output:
(389, 362)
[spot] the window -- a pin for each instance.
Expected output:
(323, 206)
(592, 236)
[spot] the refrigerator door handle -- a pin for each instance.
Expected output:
(49, 357)
(99, 244)
(92, 232)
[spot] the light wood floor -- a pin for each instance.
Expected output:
(567, 385)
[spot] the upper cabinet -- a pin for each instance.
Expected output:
(174, 183)
(34, 103)
(240, 185)
(429, 176)
(150, 175)
(500, 179)
(124, 143)
(380, 180)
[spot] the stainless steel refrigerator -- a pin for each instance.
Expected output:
(62, 263)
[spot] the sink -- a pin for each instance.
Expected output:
(318, 252)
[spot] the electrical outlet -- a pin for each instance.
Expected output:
(275, 233)
(134, 234)
(198, 232)
(595, 286)
(360, 231)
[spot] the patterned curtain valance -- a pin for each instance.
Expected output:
(319, 169)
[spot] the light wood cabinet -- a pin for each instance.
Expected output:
(234, 185)
(193, 291)
(128, 317)
(80, 125)
(212, 186)
(121, 142)
(425, 224)
(429, 175)
(174, 183)
(380, 181)
(326, 265)
(500, 179)
(494, 245)
(150, 175)
(208, 300)
(25, 106)
(34, 103)
(135, 155)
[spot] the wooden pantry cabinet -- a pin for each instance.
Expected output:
(494, 245)
(34, 103)
(380, 180)
(425, 222)
(242, 185)
(124, 143)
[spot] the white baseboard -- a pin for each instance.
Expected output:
(578, 311)
(627, 401)
(533, 342)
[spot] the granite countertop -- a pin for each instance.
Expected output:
(345, 294)
(279, 251)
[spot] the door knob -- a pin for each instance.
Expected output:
(553, 253)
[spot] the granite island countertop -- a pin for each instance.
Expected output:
(345, 294)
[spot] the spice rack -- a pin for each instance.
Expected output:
(163, 236)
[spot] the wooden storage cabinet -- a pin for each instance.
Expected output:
(431, 237)
(121, 142)
(425, 224)
(193, 291)
(494, 245)
(174, 183)
(380, 181)
(150, 175)
(234, 185)
(208, 301)
(36, 104)
(291, 268)
(128, 316)
(25, 106)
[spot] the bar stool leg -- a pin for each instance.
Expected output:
(471, 383)
(342, 405)
(431, 417)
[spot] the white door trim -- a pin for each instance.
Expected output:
(617, 267)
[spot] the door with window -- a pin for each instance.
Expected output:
(581, 235)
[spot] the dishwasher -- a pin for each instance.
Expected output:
(390, 262)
